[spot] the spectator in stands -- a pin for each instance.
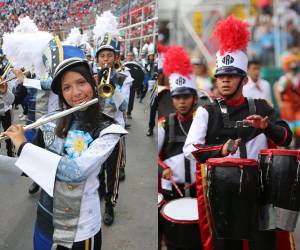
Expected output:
(257, 87)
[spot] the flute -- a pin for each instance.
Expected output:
(50, 118)
(10, 79)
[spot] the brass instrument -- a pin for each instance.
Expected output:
(106, 90)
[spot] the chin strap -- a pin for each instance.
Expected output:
(236, 90)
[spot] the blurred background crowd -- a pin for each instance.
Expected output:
(274, 49)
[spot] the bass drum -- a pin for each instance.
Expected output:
(233, 192)
(181, 224)
(280, 199)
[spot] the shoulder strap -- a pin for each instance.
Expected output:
(225, 115)
(252, 107)
(172, 136)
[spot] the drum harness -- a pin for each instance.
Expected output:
(180, 138)
(239, 125)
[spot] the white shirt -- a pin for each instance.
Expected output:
(86, 166)
(198, 131)
(176, 162)
(264, 91)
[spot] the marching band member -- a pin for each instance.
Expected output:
(6, 100)
(107, 41)
(234, 126)
(68, 214)
(173, 129)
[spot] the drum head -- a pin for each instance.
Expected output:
(181, 211)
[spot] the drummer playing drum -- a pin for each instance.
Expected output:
(177, 173)
(235, 126)
(173, 129)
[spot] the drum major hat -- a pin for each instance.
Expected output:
(62, 67)
(106, 33)
(177, 66)
(56, 52)
(233, 36)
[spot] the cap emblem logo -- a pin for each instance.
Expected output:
(228, 59)
(180, 81)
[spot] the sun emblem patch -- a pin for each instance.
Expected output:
(77, 141)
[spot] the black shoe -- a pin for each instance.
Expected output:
(109, 216)
(129, 116)
(33, 188)
(127, 125)
(150, 132)
(10, 153)
(122, 174)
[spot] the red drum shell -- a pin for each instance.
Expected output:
(230, 162)
(288, 152)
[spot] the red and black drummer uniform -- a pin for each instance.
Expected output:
(172, 132)
(214, 124)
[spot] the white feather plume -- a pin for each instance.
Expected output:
(26, 25)
(74, 38)
(25, 46)
(107, 22)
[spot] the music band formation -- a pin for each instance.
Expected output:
(76, 105)
(227, 175)
(228, 163)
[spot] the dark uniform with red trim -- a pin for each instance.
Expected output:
(172, 134)
(214, 124)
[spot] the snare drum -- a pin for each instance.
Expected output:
(280, 199)
(160, 201)
(232, 191)
(180, 223)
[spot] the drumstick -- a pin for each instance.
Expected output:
(176, 187)
(189, 185)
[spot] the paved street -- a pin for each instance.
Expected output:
(135, 225)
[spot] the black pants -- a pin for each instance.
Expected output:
(263, 241)
(93, 243)
(153, 110)
(109, 186)
(131, 100)
(143, 92)
(6, 122)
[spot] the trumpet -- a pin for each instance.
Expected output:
(106, 89)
